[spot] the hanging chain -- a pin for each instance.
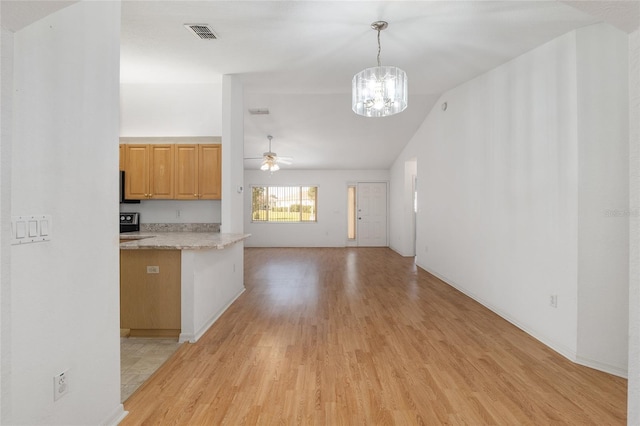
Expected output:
(378, 46)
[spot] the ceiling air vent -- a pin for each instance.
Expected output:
(258, 111)
(201, 31)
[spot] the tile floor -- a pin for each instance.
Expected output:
(139, 359)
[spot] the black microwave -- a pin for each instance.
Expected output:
(123, 200)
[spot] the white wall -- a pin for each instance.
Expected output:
(402, 232)
(172, 110)
(64, 306)
(232, 155)
(499, 197)
(331, 228)
(603, 196)
(633, 390)
(211, 281)
(6, 38)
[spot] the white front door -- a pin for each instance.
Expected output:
(372, 214)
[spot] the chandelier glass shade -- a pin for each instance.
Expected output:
(269, 165)
(379, 91)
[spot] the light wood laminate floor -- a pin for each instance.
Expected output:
(361, 336)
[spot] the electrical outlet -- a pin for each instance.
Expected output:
(177, 213)
(553, 300)
(60, 385)
(153, 269)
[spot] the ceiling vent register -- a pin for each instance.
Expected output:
(201, 31)
(259, 111)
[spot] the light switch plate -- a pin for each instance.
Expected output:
(30, 229)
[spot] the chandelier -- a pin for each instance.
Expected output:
(379, 91)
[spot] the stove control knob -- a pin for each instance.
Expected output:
(121, 217)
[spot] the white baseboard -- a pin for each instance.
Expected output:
(193, 337)
(401, 253)
(116, 416)
(561, 349)
(600, 366)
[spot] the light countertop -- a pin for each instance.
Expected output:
(179, 240)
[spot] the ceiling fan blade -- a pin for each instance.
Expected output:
(283, 161)
(253, 158)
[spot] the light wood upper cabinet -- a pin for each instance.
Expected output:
(136, 169)
(161, 172)
(186, 187)
(122, 157)
(198, 172)
(149, 171)
(210, 171)
(172, 171)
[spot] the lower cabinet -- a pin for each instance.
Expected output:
(150, 292)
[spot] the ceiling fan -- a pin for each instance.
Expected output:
(270, 159)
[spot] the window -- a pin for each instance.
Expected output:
(288, 204)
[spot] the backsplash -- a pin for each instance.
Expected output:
(176, 211)
(179, 227)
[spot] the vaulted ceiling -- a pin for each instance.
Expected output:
(297, 59)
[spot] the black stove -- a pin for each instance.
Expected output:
(129, 222)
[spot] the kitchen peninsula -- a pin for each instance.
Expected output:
(178, 282)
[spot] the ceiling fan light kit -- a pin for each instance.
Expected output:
(379, 91)
(270, 159)
(269, 166)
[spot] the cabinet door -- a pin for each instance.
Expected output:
(150, 301)
(186, 169)
(136, 172)
(122, 157)
(210, 171)
(161, 171)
